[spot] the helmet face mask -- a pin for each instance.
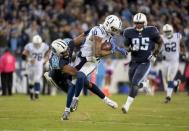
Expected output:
(60, 48)
(140, 21)
(37, 41)
(168, 31)
(112, 25)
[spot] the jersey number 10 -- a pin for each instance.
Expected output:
(140, 44)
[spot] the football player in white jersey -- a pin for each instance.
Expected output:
(35, 53)
(91, 52)
(172, 47)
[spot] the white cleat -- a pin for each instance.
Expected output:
(124, 109)
(111, 103)
(147, 88)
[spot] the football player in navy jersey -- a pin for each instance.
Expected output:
(61, 72)
(144, 42)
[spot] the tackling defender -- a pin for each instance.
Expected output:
(173, 45)
(61, 72)
(144, 43)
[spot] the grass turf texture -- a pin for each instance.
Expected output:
(148, 113)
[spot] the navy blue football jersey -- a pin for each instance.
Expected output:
(57, 63)
(141, 43)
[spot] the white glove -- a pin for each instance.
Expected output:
(152, 58)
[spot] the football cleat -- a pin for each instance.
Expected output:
(32, 96)
(147, 88)
(176, 89)
(124, 110)
(74, 105)
(36, 96)
(66, 115)
(111, 103)
(167, 100)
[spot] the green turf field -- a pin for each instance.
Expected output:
(18, 113)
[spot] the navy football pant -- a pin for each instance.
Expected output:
(137, 74)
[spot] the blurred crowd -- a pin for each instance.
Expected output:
(20, 20)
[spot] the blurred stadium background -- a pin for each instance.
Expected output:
(20, 20)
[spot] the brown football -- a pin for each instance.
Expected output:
(106, 46)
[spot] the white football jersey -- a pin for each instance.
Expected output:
(171, 47)
(86, 48)
(37, 53)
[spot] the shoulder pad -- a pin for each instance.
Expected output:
(128, 31)
(98, 31)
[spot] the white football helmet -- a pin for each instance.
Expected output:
(112, 24)
(37, 41)
(138, 19)
(60, 47)
(168, 30)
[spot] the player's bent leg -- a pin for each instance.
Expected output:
(70, 95)
(93, 88)
(80, 82)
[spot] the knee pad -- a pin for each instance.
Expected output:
(170, 84)
(80, 75)
(37, 86)
(83, 77)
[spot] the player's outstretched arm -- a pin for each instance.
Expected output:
(78, 40)
(158, 47)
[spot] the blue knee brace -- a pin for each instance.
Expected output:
(37, 87)
(170, 84)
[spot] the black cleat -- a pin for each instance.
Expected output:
(167, 100)
(32, 96)
(36, 96)
(66, 115)
(74, 105)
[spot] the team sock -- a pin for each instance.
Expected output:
(128, 102)
(97, 91)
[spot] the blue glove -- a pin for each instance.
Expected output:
(113, 46)
(123, 51)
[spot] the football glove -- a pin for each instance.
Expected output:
(123, 51)
(152, 58)
(184, 57)
(113, 46)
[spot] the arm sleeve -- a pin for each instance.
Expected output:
(62, 63)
